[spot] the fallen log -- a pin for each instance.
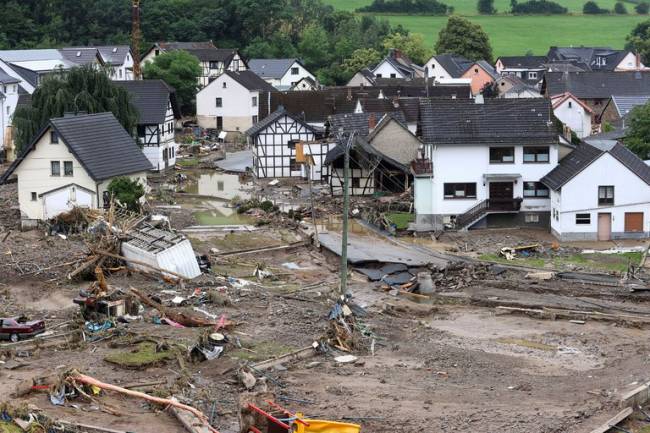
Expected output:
(303, 353)
(82, 378)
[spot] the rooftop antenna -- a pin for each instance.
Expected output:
(136, 35)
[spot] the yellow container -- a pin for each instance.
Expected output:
(322, 426)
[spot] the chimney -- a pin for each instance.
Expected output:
(478, 99)
(349, 93)
(372, 122)
(638, 61)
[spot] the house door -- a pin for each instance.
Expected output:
(219, 123)
(501, 195)
(166, 157)
(604, 226)
(633, 221)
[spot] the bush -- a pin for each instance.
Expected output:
(642, 8)
(619, 8)
(414, 7)
(538, 7)
(592, 8)
(486, 7)
(127, 191)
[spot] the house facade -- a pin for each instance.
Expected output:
(397, 65)
(504, 146)
(597, 58)
(66, 165)
(446, 66)
(158, 111)
(283, 74)
(231, 102)
(214, 61)
(9, 89)
(530, 69)
(119, 59)
(482, 74)
(585, 205)
(574, 114)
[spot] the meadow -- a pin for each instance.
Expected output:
(516, 35)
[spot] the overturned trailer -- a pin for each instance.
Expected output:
(161, 249)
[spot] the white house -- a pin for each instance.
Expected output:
(600, 192)
(283, 74)
(397, 65)
(158, 110)
(9, 87)
(362, 78)
(597, 58)
(530, 69)
(487, 159)
(446, 66)
(71, 162)
(119, 59)
(214, 61)
(231, 102)
(573, 113)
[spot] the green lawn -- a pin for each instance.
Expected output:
(515, 35)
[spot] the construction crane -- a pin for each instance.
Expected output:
(136, 36)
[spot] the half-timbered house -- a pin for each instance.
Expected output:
(274, 141)
(158, 110)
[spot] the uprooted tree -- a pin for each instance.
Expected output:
(127, 191)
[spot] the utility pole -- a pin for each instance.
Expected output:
(136, 35)
(346, 210)
(310, 167)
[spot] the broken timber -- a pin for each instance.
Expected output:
(613, 421)
(557, 313)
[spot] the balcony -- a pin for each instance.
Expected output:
(422, 167)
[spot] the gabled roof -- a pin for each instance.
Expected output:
(98, 141)
(454, 64)
(558, 100)
(486, 67)
(588, 56)
(27, 75)
(402, 63)
(362, 144)
(277, 114)
(204, 51)
(600, 84)
(271, 68)
(114, 54)
(11, 56)
(360, 121)
(523, 62)
(250, 80)
(7, 79)
(585, 154)
(150, 98)
(495, 121)
(82, 55)
(625, 104)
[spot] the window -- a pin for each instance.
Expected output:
(254, 120)
(460, 190)
(219, 122)
(254, 101)
(8, 110)
(532, 75)
(55, 168)
(536, 154)
(605, 195)
(67, 168)
(378, 75)
(570, 104)
(214, 65)
(119, 72)
(157, 52)
(220, 185)
(141, 130)
(535, 189)
(502, 155)
(34, 196)
(356, 182)
(293, 165)
(219, 102)
(476, 70)
(54, 137)
(531, 218)
(294, 71)
(583, 218)
(224, 85)
(393, 75)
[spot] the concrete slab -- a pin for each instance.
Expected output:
(236, 161)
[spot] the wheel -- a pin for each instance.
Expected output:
(14, 338)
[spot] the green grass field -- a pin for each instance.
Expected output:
(515, 35)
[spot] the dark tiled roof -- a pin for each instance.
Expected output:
(150, 98)
(600, 84)
(27, 74)
(585, 154)
(625, 104)
(250, 80)
(271, 68)
(488, 68)
(204, 51)
(361, 145)
(115, 154)
(7, 79)
(455, 65)
(268, 120)
(114, 54)
(517, 121)
(588, 56)
(523, 62)
(359, 121)
(24, 98)
(81, 56)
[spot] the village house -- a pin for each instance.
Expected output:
(9, 94)
(71, 162)
(618, 108)
(231, 102)
(487, 159)
(397, 65)
(306, 83)
(600, 192)
(574, 114)
(446, 66)
(362, 78)
(597, 58)
(119, 59)
(482, 75)
(279, 143)
(283, 74)
(530, 69)
(214, 61)
(380, 156)
(511, 86)
(596, 88)
(157, 114)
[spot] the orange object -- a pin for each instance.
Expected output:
(300, 152)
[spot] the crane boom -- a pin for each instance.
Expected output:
(136, 35)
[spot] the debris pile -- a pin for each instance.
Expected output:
(346, 332)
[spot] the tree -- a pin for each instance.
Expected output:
(619, 8)
(638, 137)
(79, 89)
(639, 41)
(537, 7)
(486, 7)
(180, 70)
(360, 58)
(592, 8)
(127, 191)
(642, 8)
(314, 47)
(461, 36)
(412, 45)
